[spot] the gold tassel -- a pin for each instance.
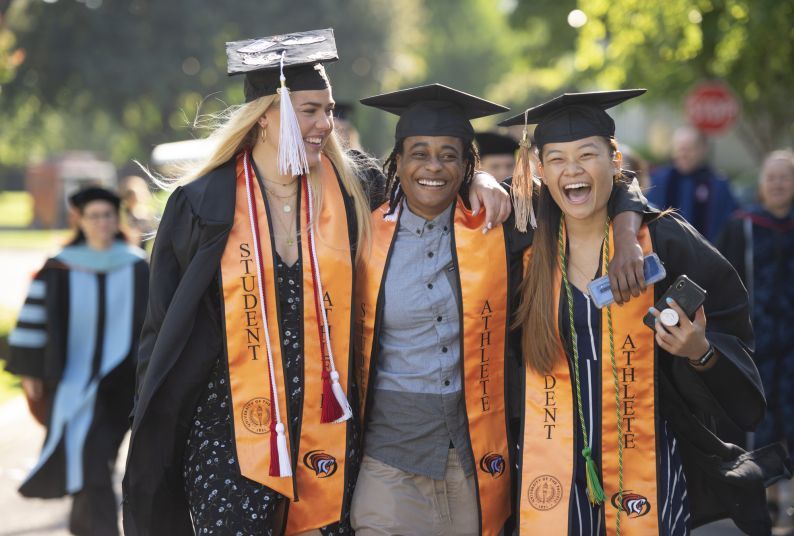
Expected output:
(522, 186)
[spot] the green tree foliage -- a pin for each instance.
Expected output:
(668, 46)
(122, 76)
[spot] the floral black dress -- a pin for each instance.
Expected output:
(221, 500)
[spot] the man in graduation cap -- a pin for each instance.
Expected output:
(74, 346)
(617, 420)
(432, 307)
(497, 153)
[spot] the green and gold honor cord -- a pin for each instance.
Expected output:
(595, 492)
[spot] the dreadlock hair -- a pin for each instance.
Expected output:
(471, 160)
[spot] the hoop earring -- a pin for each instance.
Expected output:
(262, 133)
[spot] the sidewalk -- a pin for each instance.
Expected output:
(20, 441)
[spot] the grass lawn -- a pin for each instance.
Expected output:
(33, 239)
(16, 209)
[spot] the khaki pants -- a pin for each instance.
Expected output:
(390, 501)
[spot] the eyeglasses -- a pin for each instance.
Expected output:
(98, 216)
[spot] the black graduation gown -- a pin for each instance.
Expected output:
(723, 481)
(78, 332)
(181, 340)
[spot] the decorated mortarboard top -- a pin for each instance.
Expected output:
(434, 110)
(82, 197)
(300, 55)
(492, 143)
(573, 116)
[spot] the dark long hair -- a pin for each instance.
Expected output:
(540, 342)
(471, 160)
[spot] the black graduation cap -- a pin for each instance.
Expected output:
(343, 111)
(434, 110)
(573, 116)
(82, 197)
(302, 54)
(490, 143)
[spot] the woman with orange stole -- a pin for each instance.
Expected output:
(615, 432)
(432, 310)
(244, 421)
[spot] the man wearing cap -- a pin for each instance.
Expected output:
(74, 346)
(432, 312)
(497, 153)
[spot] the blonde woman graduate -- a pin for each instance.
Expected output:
(244, 422)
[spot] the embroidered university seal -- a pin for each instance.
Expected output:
(634, 504)
(256, 415)
(322, 463)
(544, 493)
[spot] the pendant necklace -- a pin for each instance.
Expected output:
(285, 205)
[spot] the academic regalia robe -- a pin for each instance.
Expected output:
(723, 481)
(180, 343)
(78, 333)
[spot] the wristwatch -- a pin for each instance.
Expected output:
(704, 359)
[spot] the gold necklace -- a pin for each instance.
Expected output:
(285, 206)
(291, 236)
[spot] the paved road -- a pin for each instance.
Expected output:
(20, 440)
(17, 267)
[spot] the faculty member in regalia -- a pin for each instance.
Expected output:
(615, 433)
(243, 423)
(74, 346)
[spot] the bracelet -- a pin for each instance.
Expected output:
(704, 359)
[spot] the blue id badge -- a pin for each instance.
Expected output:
(601, 291)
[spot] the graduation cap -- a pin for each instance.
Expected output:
(343, 111)
(573, 116)
(491, 143)
(82, 197)
(280, 64)
(434, 110)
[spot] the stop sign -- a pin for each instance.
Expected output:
(712, 107)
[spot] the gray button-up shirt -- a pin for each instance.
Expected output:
(418, 407)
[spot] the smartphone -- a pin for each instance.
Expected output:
(686, 293)
(601, 291)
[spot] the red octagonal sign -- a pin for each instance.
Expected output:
(712, 107)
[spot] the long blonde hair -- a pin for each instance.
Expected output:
(236, 128)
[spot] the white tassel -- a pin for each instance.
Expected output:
(291, 151)
(284, 465)
(339, 394)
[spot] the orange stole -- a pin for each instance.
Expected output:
(483, 270)
(317, 487)
(547, 470)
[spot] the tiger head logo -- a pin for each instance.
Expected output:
(634, 504)
(322, 463)
(493, 464)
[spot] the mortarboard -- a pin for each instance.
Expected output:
(343, 111)
(82, 197)
(261, 61)
(434, 110)
(490, 143)
(573, 116)
(280, 64)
